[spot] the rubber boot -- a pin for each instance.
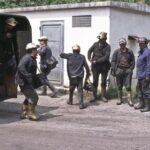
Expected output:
(31, 112)
(44, 90)
(103, 92)
(53, 89)
(94, 95)
(119, 98)
(70, 100)
(24, 112)
(130, 100)
(80, 97)
(147, 105)
(140, 104)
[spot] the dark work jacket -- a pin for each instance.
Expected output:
(45, 53)
(117, 56)
(76, 64)
(26, 70)
(8, 47)
(100, 53)
(143, 64)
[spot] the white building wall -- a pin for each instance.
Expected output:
(84, 36)
(124, 23)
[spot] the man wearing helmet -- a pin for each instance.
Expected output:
(123, 63)
(143, 76)
(76, 63)
(8, 46)
(45, 53)
(26, 71)
(98, 55)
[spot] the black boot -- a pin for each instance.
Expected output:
(70, 100)
(44, 90)
(140, 104)
(119, 98)
(53, 89)
(94, 95)
(103, 92)
(80, 97)
(147, 105)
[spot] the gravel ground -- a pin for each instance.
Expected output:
(101, 126)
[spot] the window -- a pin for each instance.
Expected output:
(81, 21)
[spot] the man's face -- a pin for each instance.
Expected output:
(42, 43)
(34, 53)
(142, 45)
(122, 46)
(102, 41)
(9, 27)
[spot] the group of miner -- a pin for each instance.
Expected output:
(121, 67)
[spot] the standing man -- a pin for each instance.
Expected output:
(26, 71)
(75, 68)
(8, 47)
(123, 63)
(143, 76)
(45, 53)
(99, 55)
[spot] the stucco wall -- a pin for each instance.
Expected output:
(124, 23)
(84, 36)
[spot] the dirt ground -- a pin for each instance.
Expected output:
(101, 126)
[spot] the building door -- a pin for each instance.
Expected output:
(54, 30)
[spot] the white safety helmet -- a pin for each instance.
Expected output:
(11, 22)
(76, 47)
(31, 46)
(122, 41)
(43, 38)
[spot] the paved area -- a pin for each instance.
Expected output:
(101, 126)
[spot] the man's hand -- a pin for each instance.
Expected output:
(9, 35)
(93, 61)
(147, 79)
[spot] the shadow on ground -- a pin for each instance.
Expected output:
(10, 112)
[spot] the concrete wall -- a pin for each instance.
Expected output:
(84, 36)
(125, 22)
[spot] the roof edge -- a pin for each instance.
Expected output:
(130, 6)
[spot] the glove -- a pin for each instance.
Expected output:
(9, 35)
(147, 79)
(129, 70)
(93, 61)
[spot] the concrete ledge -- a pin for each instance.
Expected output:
(129, 6)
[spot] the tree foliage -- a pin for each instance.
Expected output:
(26, 3)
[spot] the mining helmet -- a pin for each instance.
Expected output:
(43, 38)
(11, 22)
(76, 47)
(102, 35)
(122, 41)
(142, 40)
(31, 46)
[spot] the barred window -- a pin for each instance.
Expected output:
(81, 21)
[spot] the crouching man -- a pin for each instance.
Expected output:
(26, 70)
(75, 67)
